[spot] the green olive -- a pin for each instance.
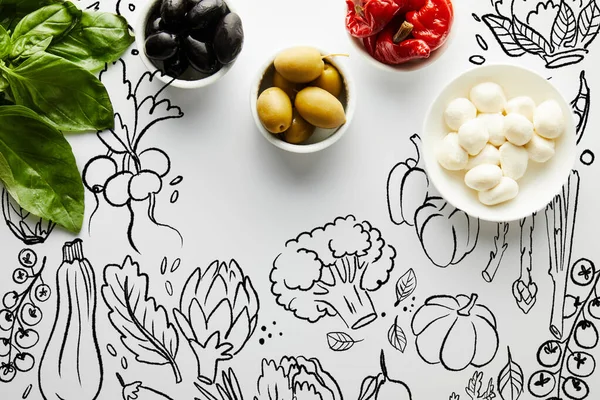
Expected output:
(330, 80)
(320, 108)
(299, 131)
(274, 109)
(300, 64)
(288, 87)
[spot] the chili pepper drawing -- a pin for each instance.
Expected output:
(369, 17)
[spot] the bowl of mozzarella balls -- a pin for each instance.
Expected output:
(499, 142)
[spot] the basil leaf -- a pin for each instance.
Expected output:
(51, 20)
(28, 45)
(4, 43)
(65, 94)
(38, 168)
(97, 39)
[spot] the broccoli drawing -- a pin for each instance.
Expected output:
(330, 271)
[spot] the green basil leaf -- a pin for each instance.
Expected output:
(97, 39)
(65, 94)
(38, 168)
(4, 43)
(28, 45)
(52, 20)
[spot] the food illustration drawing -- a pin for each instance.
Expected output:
(330, 271)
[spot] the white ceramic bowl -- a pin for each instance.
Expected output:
(321, 138)
(140, 38)
(541, 181)
(414, 65)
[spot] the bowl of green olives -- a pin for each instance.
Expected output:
(194, 43)
(303, 99)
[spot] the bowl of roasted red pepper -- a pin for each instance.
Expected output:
(400, 34)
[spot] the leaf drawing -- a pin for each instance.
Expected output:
(564, 29)
(405, 286)
(397, 337)
(340, 341)
(475, 386)
(368, 388)
(589, 23)
(501, 28)
(530, 39)
(144, 326)
(510, 380)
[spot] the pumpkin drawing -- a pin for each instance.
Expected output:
(456, 332)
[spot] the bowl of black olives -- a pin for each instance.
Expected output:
(192, 42)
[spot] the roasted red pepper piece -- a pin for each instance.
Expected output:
(431, 22)
(390, 47)
(369, 17)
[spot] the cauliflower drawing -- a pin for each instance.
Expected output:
(331, 270)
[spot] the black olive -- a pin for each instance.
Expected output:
(161, 45)
(206, 14)
(201, 56)
(154, 25)
(173, 12)
(203, 35)
(229, 38)
(176, 65)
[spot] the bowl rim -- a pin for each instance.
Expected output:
(408, 68)
(313, 147)
(564, 174)
(140, 38)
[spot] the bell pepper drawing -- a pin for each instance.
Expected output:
(557, 31)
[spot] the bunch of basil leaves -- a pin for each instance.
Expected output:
(49, 52)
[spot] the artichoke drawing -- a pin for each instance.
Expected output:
(28, 228)
(218, 314)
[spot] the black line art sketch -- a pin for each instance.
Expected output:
(229, 389)
(475, 389)
(382, 386)
(455, 332)
(497, 253)
(561, 216)
(521, 27)
(163, 271)
(218, 313)
(144, 326)
(340, 341)
(566, 363)
(510, 380)
(27, 391)
(587, 157)
(397, 337)
(581, 105)
(446, 234)
(71, 365)
(524, 289)
(330, 270)
(405, 286)
(295, 378)
(478, 59)
(137, 391)
(27, 227)
(19, 314)
(130, 174)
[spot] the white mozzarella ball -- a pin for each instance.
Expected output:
(540, 149)
(483, 177)
(489, 155)
(458, 112)
(517, 129)
(513, 160)
(523, 105)
(473, 136)
(506, 190)
(449, 153)
(548, 120)
(488, 97)
(495, 126)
